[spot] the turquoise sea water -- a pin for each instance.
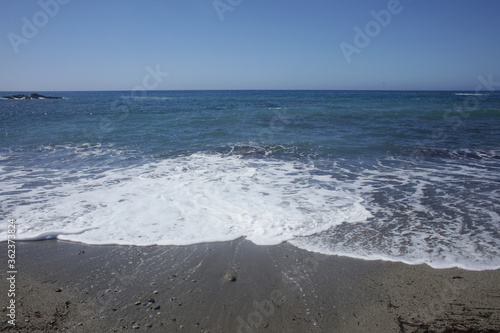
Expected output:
(405, 176)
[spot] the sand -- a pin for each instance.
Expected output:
(239, 287)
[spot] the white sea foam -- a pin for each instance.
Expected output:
(200, 198)
(444, 217)
(470, 94)
(157, 98)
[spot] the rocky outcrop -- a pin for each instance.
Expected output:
(32, 96)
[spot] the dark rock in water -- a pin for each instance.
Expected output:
(156, 307)
(38, 96)
(149, 325)
(58, 290)
(16, 97)
(32, 96)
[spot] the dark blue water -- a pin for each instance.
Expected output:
(421, 170)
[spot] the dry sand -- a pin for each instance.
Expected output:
(239, 287)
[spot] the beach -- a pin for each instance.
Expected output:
(251, 211)
(235, 166)
(238, 286)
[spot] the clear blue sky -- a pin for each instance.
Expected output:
(259, 44)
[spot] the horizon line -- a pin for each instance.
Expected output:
(164, 90)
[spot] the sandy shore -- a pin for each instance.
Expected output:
(239, 287)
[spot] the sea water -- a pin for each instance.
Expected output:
(401, 176)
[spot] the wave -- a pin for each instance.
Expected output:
(153, 98)
(475, 154)
(471, 94)
(194, 199)
(444, 214)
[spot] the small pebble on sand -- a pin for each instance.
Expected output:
(230, 277)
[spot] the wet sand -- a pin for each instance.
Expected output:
(239, 287)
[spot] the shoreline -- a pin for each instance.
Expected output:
(238, 286)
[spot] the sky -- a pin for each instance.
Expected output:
(74, 45)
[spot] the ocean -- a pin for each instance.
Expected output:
(409, 176)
